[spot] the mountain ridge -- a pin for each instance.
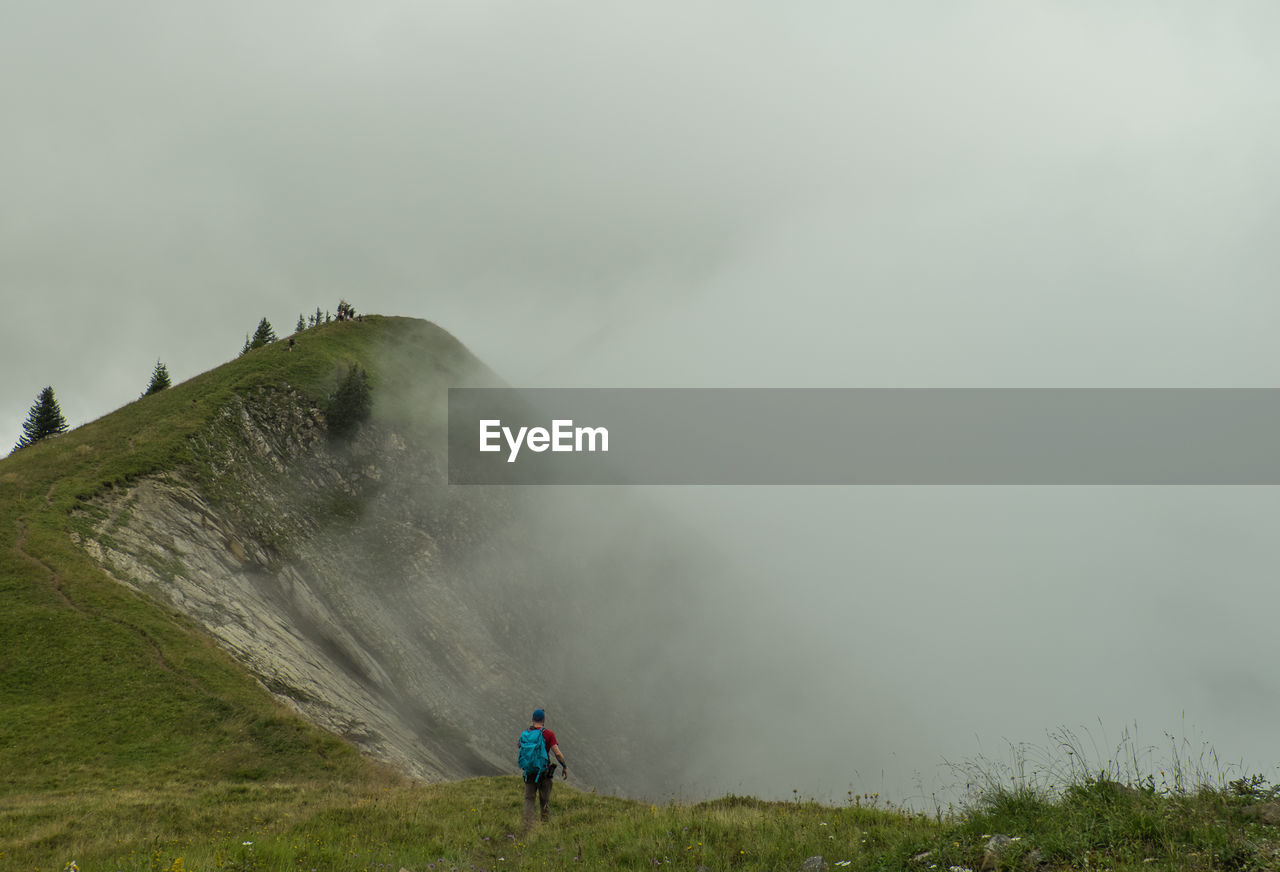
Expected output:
(345, 575)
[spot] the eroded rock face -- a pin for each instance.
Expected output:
(353, 583)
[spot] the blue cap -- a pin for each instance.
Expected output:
(539, 716)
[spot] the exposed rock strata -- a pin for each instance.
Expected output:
(350, 580)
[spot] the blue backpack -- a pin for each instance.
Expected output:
(533, 760)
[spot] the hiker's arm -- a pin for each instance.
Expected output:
(564, 767)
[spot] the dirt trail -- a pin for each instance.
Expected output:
(55, 582)
(19, 546)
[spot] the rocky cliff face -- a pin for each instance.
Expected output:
(410, 617)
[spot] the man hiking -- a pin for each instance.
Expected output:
(537, 743)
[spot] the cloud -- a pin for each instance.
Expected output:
(708, 193)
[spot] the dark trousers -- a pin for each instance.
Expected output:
(542, 790)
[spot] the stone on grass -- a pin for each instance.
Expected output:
(996, 846)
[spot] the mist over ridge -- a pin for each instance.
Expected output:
(726, 195)
(415, 619)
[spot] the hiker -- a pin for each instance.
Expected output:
(536, 745)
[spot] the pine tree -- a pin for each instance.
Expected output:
(159, 379)
(350, 404)
(261, 337)
(263, 334)
(45, 419)
(319, 316)
(302, 325)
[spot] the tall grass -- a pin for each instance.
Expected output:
(1174, 805)
(1176, 766)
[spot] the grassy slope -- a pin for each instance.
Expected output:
(99, 685)
(335, 824)
(129, 741)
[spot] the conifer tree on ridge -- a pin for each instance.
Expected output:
(44, 420)
(262, 336)
(159, 379)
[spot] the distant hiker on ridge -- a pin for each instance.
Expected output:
(536, 766)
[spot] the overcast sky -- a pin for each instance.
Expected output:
(847, 194)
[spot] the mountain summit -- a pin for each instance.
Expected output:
(418, 621)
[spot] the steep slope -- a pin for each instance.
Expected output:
(98, 685)
(418, 621)
(341, 575)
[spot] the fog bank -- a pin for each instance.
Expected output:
(726, 194)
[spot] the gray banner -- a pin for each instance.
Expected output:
(864, 436)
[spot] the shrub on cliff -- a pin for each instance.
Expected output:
(350, 404)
